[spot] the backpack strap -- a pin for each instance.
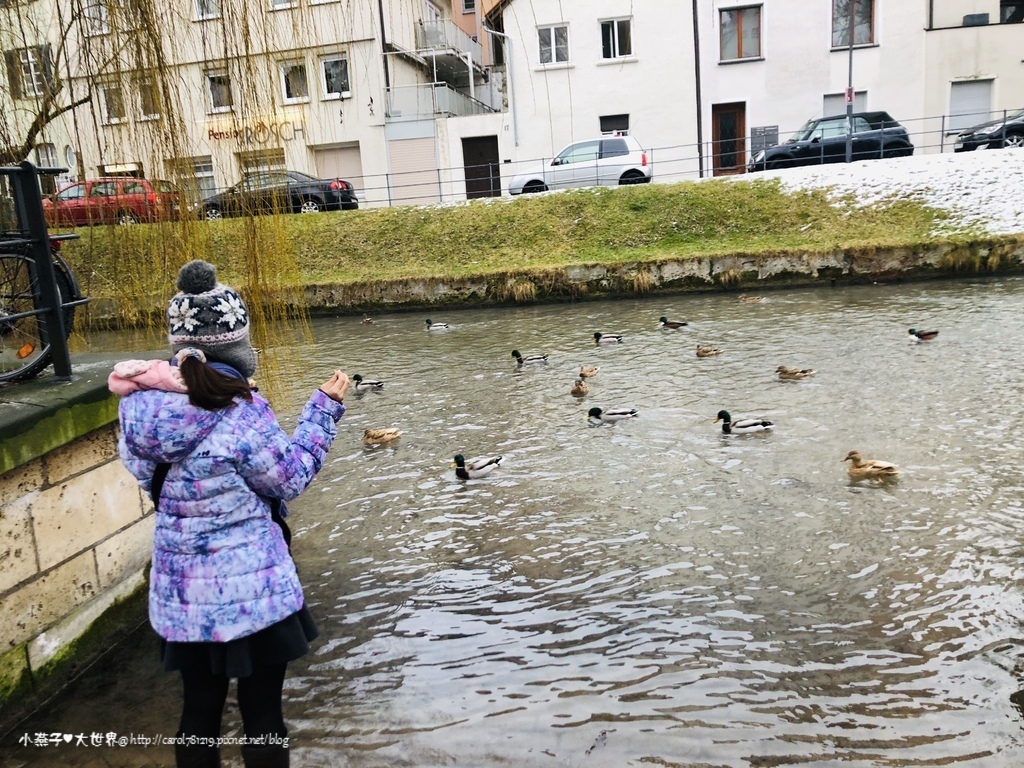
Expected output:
(157, 484)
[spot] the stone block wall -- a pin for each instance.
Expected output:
(75, 543)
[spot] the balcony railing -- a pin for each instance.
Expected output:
(409, 102)
(443, 35)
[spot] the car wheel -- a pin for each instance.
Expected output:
(1014, 140)
(310, 205)
(896, 150)
(632, 177)
(778, 165)
(213, 213)
(127, 218)
(534, 186)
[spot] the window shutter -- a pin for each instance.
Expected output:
(13, 73)
(43, 52)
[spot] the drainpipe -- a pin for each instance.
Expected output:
(511, 84)
(384, 47)
(700, 108)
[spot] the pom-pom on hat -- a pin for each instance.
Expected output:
(210, 316)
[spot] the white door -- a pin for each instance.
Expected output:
(970, 103)
(414, 175)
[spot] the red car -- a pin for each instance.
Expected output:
(113, 200)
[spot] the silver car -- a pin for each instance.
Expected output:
(606, 161)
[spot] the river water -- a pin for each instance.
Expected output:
(653, 592)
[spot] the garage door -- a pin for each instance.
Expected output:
(414, 177)
(341, 163)
(969, 103)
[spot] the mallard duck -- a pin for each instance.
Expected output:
(612, 415)
(367, 320)
(586, 371)
(923, 335)
(859, 468)
(707, 351)
(579, 388)
(474, 468)
(359, 384)
(529, 359)
(667, 324)
(750, 299)
(373, 436)
(743, 426)
(786, 372)
(431, 326)
(607, 338)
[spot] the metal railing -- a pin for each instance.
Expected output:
(444, 35)
(414, 102)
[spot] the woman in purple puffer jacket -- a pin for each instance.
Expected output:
(224, 596)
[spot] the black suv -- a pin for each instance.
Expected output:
(995, 134)
(875, 134)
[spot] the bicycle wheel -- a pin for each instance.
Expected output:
(24, 341)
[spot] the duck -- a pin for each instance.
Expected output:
(588, 371)
(750, 299)
(374, 436)
(743, 426)
(579, 388)
(707, 351)
(607, 338)
(923, 335)
(359, 384)
(861, 468)
(529, 359)
(667, 324)
(367, 320)
(611, 416)
(786, 372)
(475, 468)
(432, 326)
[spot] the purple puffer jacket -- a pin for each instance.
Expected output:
(221, 569)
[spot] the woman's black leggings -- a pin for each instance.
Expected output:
(259, 699)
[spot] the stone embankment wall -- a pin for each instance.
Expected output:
(75, 538)
(736, 272)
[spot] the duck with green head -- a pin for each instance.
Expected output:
(743, 426)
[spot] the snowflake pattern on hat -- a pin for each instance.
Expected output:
(180, 314)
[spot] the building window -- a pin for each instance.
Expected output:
(432, 12)
(835, 103)
(294, 85)
(616, 39)
(863, 23)
(207, 9)
(149, 100)
(112, 104)
(554, 44)
(1011, 12)
(740, 30)
(335, 72)
(614, 123)
(29, 71)
(970, 103)
(278, 5)
(468, 6)
(218, 86)
(195, 176)
(96, 18)
(46, 157)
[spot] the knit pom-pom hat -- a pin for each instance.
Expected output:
(212, 317)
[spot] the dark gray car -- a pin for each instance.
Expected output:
(823, 140)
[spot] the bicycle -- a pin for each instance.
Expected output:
(33, 332)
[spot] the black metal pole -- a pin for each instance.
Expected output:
(700, 109)
(849, 87)
(34, 223)
(384, 48)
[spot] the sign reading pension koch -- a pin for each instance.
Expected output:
(259, 133)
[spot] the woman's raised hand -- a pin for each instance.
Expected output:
(336, 387)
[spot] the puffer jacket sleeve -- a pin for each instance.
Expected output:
(141, 469)
(274, 465)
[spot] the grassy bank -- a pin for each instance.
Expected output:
(588, 226)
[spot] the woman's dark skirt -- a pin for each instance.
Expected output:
(285, 641)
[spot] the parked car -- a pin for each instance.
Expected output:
(113, 200)
(606, 161)
(281, 192)
(823, 140)
(995, 134)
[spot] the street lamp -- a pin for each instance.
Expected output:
(849, 86)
